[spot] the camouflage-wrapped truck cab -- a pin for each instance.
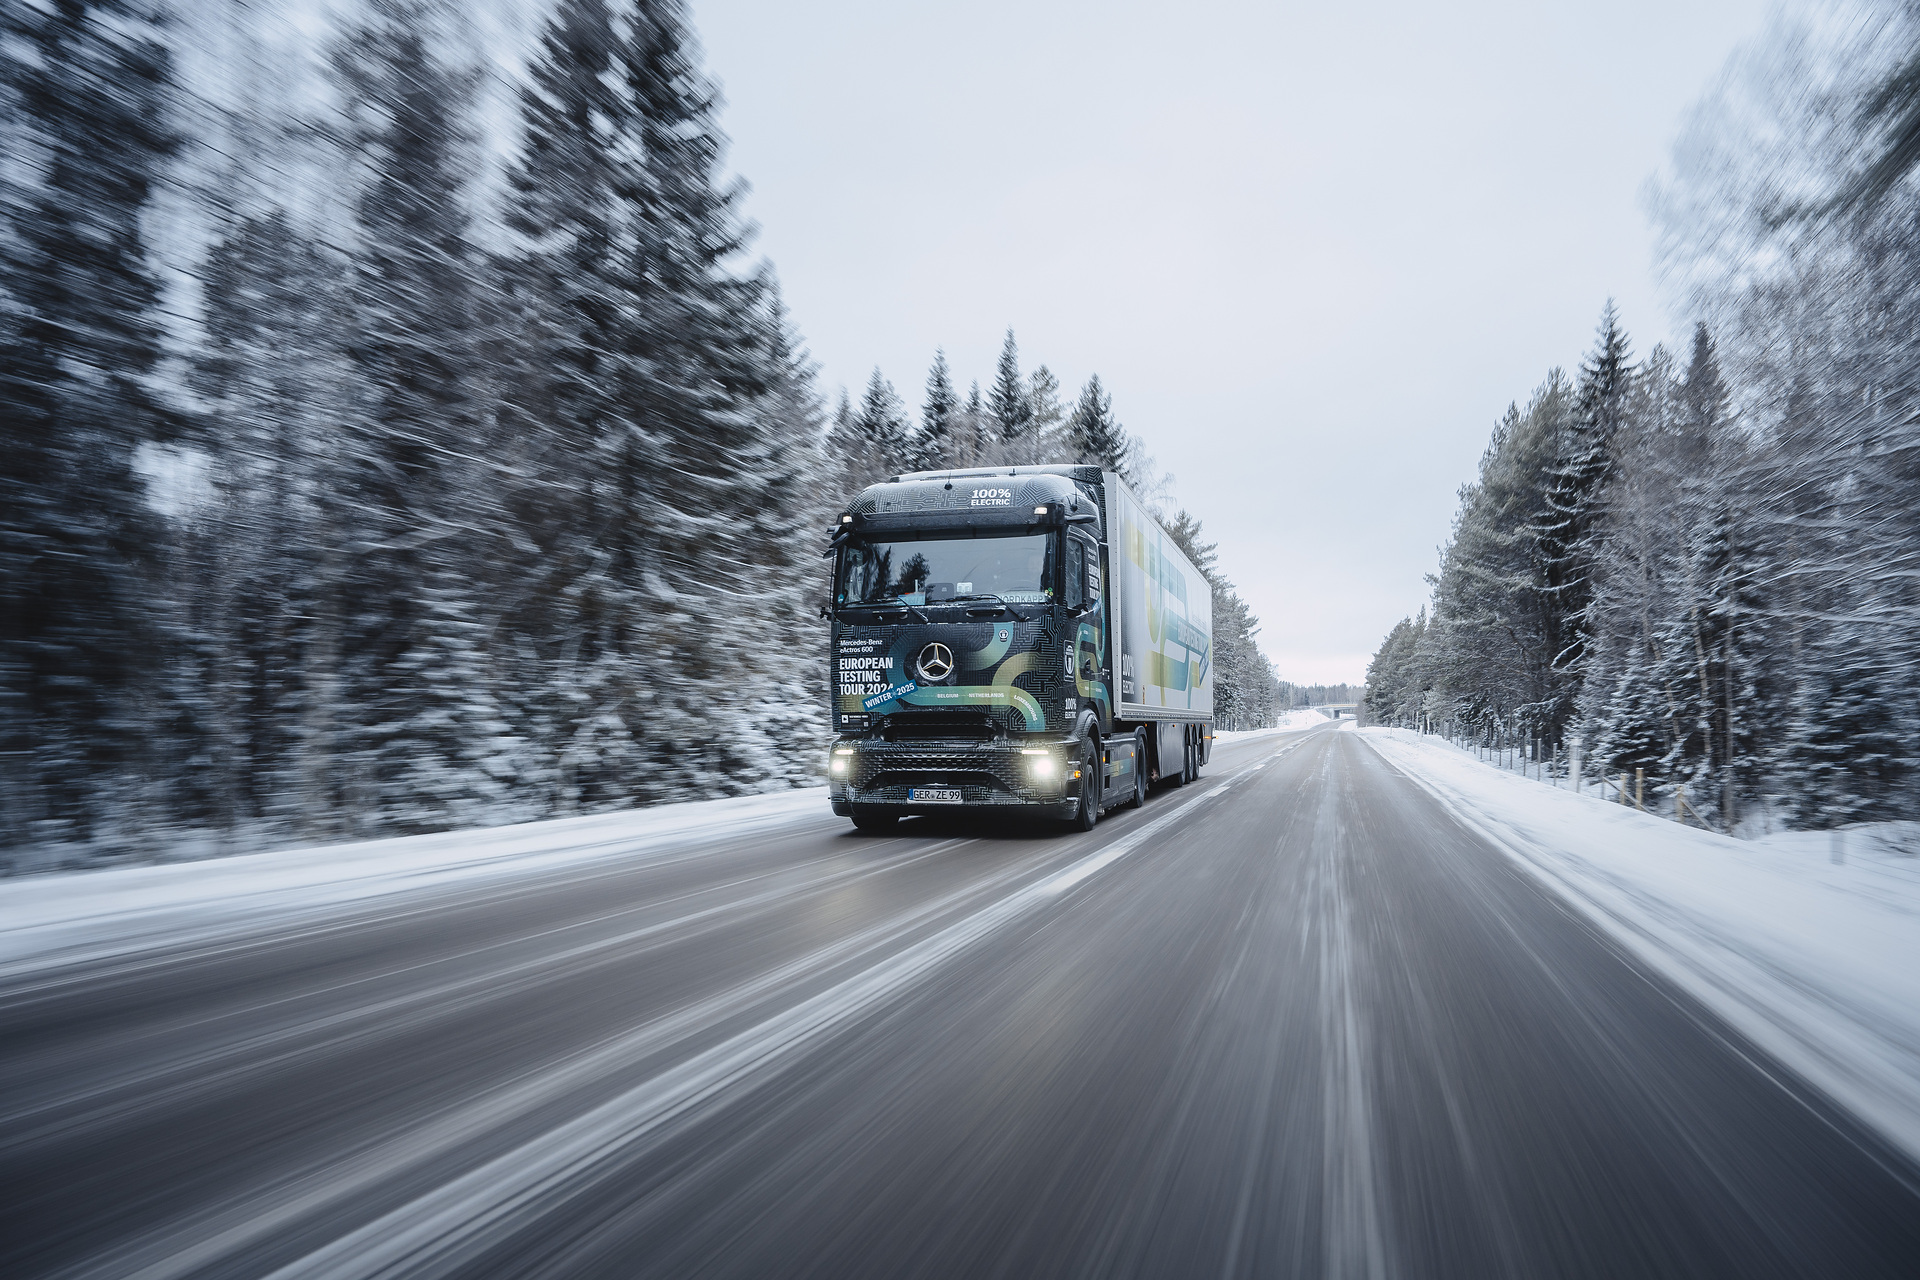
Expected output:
(1013, 637)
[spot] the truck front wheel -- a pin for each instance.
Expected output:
(1088, 813)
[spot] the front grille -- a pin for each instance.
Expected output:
(1001, 768)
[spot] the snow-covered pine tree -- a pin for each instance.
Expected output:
(88, 86)
(586, 611)
(1396, 685)
(1571, 523)
(1045, 428)
(972, 433)
(1094, 435)
(1845, 759)
(937, 417)
(1008, 407)
(701, 451)
(1708, 457)
(269, 375)
(1490, 645)
(414, 668)
(886, 433)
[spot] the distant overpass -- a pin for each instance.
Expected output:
(1339, 710)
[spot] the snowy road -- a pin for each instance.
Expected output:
(1293, 1020)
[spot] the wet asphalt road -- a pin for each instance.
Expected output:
(1290, 1020)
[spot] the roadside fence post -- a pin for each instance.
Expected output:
(1575, 761)
(1680, 805)
(1640, 789)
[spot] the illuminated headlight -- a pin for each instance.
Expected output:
(840, 761)
(1042, 765)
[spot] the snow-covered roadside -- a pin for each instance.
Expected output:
(1817, 963)
(1292, 722)
(68, 915)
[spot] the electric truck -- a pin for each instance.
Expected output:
(1014, 638)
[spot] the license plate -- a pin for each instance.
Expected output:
(934, 795)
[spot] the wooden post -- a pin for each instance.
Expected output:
(1640, 789)
(1680, 805)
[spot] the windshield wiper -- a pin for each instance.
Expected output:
(978, 595)
(898, 603)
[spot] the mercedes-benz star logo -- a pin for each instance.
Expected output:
(935, 663)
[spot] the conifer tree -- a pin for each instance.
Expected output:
(91, 83)
(270, 375)
(937, 414)
(973, 433)
(684, 377)
(1047, 419)
(884, 429)
(1845, 757)
(1570, 527)
(413, 660)
(1094, 435)
(1008, 405)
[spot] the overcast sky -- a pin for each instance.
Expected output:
(1314, 250)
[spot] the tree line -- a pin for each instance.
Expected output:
(360, 479)
(1704, 564)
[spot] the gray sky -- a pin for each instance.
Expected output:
(1313, 250)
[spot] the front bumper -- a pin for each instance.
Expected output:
(878, 776)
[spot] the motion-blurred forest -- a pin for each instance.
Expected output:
(1704, 563)
(398, 434)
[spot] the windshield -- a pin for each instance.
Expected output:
(1018, 569)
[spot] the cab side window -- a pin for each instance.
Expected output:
(1076, 574)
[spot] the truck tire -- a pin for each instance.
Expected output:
(1178, 778)
(1087, 813)
(875, 822)
(1194, 752)
(1139, 769)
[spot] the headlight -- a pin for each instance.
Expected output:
(1042, 764)
(840, 761)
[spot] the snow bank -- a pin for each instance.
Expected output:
(1817, 962)
(70, 915)
(1291, 722)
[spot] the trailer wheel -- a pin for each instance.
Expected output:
(1181, 776)
(1139, 769)
(1194, 752)
(875, 822)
